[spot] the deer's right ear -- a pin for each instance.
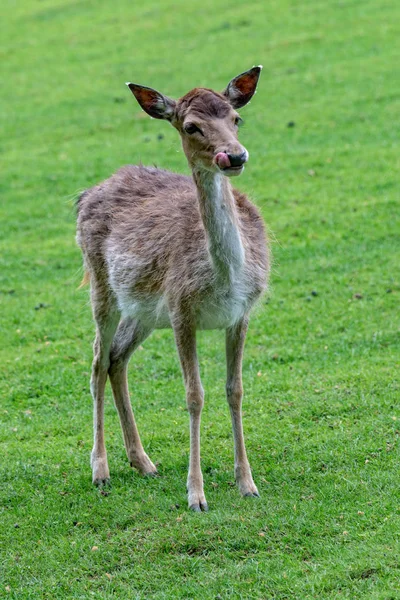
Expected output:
(155, 104)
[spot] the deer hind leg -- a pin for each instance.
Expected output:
(107, 318)
(235, 337)
(185, 337)
(129, 335)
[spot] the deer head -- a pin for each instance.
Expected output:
(207, 121)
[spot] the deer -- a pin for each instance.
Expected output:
(165, 250)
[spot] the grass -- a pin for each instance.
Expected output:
(322, 359)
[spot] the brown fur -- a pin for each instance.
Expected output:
(166, 250)
(139, 206)
(205, 103)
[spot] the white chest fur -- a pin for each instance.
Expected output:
(219, 309)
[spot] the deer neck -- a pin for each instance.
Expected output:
(220, 219)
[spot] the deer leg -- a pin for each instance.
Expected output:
(101, 349)
(128, 337)
(185, 337)
(235, 337)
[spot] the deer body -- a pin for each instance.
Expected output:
(168, 251)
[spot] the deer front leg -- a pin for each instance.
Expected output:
(185, 337)
(235, 337)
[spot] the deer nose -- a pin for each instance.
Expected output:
(237, 160)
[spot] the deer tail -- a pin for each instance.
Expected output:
(85, 280)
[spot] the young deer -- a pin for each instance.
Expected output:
(165, 250)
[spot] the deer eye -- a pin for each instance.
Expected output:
(191, 128)
(238, 121)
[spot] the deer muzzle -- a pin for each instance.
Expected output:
(230, 161)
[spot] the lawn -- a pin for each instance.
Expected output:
(321, 369)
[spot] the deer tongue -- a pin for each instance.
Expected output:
(222, 160)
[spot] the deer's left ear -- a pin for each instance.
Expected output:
(155, 104)
(242, 88)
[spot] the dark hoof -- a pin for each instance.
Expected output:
(100, 483)
(202, 507)
(145, 473)
(152, 474)
(251, 495)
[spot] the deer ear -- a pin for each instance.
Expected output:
(155, 104)
(242, 88)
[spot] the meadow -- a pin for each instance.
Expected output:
(321, 368)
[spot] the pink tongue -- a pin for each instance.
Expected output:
(222, 160)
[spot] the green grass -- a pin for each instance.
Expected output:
(321, 371)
